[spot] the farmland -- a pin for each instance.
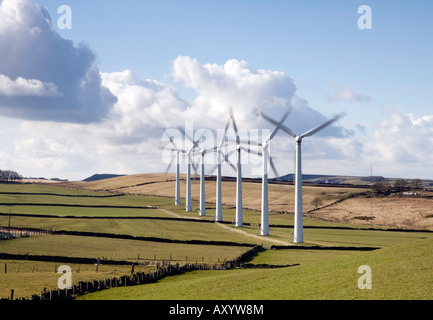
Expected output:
(133, 220)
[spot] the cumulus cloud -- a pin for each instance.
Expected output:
(26, 87)
(236, 85)
(144, 107)
(129, 138)
(344, 93)
(414, 135)
(44, 76)
(113, 122)
(233, 86)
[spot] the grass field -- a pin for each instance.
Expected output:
(401, 262)
(319, 275)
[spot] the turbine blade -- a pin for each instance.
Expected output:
(232, 165)
(235, 128)
(224, 135)
(274, 169)
(274, 132)
(169, 165)
(226, 159)
(279, 125)
(320, 127)
(251, 151)
(171, 140)
(210, 149)
(185, 134)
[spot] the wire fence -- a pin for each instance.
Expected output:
(136, 278)
(7, 233)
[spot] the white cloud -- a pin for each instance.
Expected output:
(44, 76)
(27, 87)
(144, 107)
(130, 135)
(344, 93)
(234, 85)
(404, 138)
(77, 119)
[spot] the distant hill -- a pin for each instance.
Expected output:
(97, 177)
(305, 177)
(320, 178)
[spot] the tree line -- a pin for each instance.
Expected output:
(399, 185)
(10, 176)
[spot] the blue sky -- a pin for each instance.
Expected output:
(381, 77)
(316, 42)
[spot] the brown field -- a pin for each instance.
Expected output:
(389, 212)
(281, 197)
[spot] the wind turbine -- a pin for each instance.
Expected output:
(202, 210)
(239, 147)
(266, 158)
(299, 233)
(177, 184)
(188, 172)
(219, 154)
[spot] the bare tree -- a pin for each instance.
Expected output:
(9, 176)
(401, 185)
(381, 187)
(316, 202)
(416, 184)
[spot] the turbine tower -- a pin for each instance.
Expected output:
(202, 210)
(176, 156)
(188, 206)
(219, 154)
(239, 211)
(239, 147)
(266, 158)
(299, 233)
(217, 149)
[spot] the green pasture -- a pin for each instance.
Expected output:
(119, 249)
(32, 277)
(401, 267)
(29, 277)
(402, 271)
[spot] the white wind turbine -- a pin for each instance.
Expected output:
(239, 147)
(202, 210)
(266, 158)
(219, 154)
(176, 156)
(188, 152)
(299, 233)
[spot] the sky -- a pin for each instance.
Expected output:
(94, 87)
